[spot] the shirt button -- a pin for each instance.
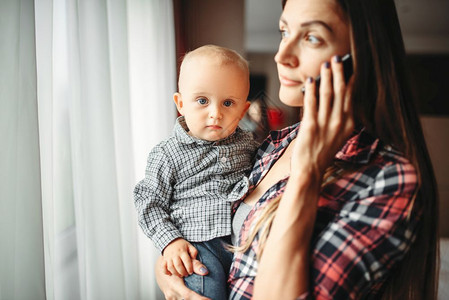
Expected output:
(224, 159)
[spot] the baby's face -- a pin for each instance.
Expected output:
(213, 98)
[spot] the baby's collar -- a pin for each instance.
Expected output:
(181, 132)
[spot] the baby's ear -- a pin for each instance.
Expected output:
(177, 97)
(247, 105)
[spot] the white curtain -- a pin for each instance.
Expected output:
(88, 87)
(21, 243)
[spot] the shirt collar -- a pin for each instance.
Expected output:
(359, 148)
(180, 131)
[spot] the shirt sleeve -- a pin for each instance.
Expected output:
(353, 255)
(152, 197)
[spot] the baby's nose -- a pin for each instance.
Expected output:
(215, 112)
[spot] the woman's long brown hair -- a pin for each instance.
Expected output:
(384, 104)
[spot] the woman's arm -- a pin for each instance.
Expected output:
(357, 251)
(284, 267)
(354, 255)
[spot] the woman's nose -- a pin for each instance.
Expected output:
(287, 54)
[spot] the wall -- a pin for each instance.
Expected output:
(263, 63)
(213, 22)
(436, 132)
(425, 25)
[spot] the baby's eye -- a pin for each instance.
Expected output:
(202, 101)
(227, 103)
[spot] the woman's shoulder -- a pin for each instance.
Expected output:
(395, 167)
(388, 174)
(364, 149)
(375, 168)
(389, 158)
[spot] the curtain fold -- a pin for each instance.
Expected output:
(86, 89)
(96, 199)
(152, 83)
(21, 249)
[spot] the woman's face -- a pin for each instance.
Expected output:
(312, 32)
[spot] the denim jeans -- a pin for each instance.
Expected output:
(218, 261)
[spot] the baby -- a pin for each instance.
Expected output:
(192, 177)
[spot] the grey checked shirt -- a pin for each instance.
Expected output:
(189, 186)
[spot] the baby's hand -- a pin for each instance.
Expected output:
(178, 257)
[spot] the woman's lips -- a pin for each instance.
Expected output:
(288, 82)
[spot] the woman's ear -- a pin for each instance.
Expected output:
(177, 97)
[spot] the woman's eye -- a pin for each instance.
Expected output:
(284, 33)
(227, 103)
(313, 39)
(202, 101)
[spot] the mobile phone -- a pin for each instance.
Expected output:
(346, 60)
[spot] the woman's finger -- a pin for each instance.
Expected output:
(339, 85)
(310, 102)
(347, 106)
(165, 268)
(326, 94)
(173, 287)
(199, 268)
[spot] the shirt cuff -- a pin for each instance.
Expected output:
(165, 235)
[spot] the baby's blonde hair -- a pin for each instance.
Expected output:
(223, 56)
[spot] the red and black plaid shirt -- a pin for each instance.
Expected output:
(364, 226)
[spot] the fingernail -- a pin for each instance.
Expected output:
(203, 270)
(310, 79)
(327, 65)
(337, 58)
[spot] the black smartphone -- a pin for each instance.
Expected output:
(347, 71)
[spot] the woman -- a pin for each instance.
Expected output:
(349, 198)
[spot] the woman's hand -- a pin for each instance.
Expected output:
(326, 123)
(173, 287)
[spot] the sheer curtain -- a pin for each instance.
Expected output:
(90, 94)
(21, 243)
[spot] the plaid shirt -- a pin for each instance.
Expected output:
(364, 225)
(189, 184)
